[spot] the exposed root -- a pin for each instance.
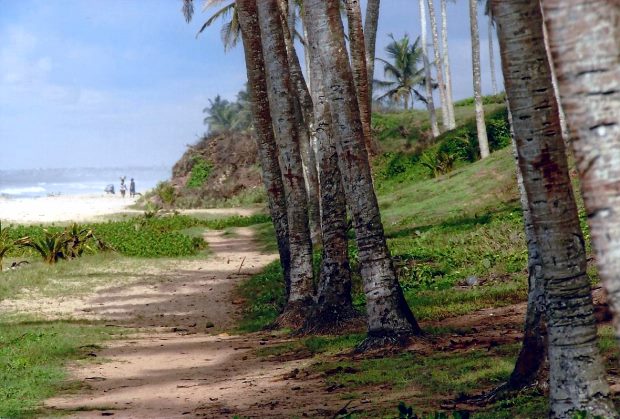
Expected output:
(374, 342)
(332, 321)
(502, 392)
(294, 315)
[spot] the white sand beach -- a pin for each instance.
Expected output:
(50, 209)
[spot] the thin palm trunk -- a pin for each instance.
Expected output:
(446, 64)
(281, 100)
(334, 305)
(430, 103)
(389, 315)
(370, 35)
(445, 114)
(584, 39)
(491, 54)
(358, 65)
(481, 128)
(305, 121)
(576, 375)
(261, 117)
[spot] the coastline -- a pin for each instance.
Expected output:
(62, 208)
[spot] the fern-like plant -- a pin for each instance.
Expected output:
(52, 246)
(6, 243)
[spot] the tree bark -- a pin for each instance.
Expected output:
(358, 65)
(445, 113)
(446, 63)
(389, 315)
(584, 39)
(481, 128)
(334, 305)
(281, 100)
(370, 35)
(576, 375)
(267, 149)
(492, 54)
(305, 120)
(430, 102)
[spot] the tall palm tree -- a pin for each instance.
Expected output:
(281, 93)
(585, 48)
(430, 102)
(576, 376)
(389, 315)
(481, 128)
(439, 65)
(261, 117)
(358, 65)
(446, 64)
(370, 35)
(403, 74)
(490, 30)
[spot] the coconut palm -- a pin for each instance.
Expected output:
(446, 63)
(481, 128)
(576, 376)
(403, 75)
(370, 37)
(430, 102)
(439, 65)
(583, 41)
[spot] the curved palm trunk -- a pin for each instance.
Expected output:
(446, 63)
(576, 375)
(491, 54)
(358, 65)
(261, 117)
(584, 39)
(388, 312)
(281, 101)
(305, 122)
(445, 113)
(334, 305)
(430, 103)
(370, 31)
(481, 128)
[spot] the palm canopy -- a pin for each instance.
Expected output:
(226, 116)
(403, 71)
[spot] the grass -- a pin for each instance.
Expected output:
(33, 357)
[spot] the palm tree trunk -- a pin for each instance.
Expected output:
(576, 375)
(358, 64)
(370, 31)
(305, 121)
(430, 103)
(492, 54)
(261, 118)
(389, 315)
(334, 305)
(584, 44)
(281, 100)
(445, 113)
(481, 128)
(446, 65)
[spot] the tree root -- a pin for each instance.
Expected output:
(332, 321)
(374, 342)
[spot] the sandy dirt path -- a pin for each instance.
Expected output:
(185, 367)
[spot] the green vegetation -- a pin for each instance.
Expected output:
(33, 356)
(201, 170)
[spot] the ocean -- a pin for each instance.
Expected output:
(76, 181)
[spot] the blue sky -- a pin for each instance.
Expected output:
(118, 83)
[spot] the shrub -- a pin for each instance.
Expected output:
(201, 170)
(438, 162)
(166, 192)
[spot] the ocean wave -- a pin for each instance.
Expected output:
(22, 191)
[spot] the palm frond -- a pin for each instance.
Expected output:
(188, 10)
(222, 13)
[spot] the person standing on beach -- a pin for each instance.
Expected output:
(132, 188)
(123, 187)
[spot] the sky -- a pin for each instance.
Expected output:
(122, 83)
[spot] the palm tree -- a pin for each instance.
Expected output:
(445, 113)
(583, 40)
(430, 102)
(358, 65)
(576, 376)
(389, 315)
(490, 29)
(370, 35)
(261, 117)
(481, 128)
(446, 64)
(402, 73)
(281, 93)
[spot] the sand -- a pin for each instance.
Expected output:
(82, 208)
(51, 209)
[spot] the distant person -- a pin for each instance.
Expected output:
(123, 188)
(132, 188)
(109, 189)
